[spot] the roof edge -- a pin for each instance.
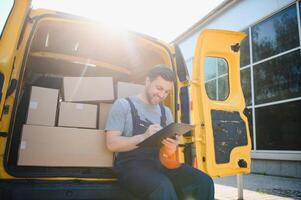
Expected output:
(213, 13)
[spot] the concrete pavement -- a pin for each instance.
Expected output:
(258, 187)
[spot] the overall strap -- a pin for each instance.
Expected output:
(134, 111)
(163, 115)
(135, 116)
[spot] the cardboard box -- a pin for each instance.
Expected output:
(91, 89)
(42, 106)
(77, 115)
(104, 109)
(63, 147)
(125, 89)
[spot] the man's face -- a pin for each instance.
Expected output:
(157, 90)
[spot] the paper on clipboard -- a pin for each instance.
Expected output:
(170, 130)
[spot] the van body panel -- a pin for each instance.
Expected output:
(11, 56)
(221, 132)
(30, 189)
(9, 44)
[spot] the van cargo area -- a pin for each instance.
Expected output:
(58, 49)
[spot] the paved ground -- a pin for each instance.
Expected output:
(258, 187)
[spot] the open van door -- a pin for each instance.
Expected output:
(221, 133)
(13, 15)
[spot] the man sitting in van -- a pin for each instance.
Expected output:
(139, 170)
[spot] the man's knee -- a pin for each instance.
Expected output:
(205, 180)
(205, 187)
(164, 190)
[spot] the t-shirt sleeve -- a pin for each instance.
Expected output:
(169, 116)
(117, 116)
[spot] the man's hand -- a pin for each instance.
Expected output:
(152, 129)
(170, 145)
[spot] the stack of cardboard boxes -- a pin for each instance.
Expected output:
(70, 133)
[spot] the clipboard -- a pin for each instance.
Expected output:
(170, 131)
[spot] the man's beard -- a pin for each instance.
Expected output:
(149, 96)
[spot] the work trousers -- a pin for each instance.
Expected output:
(150, 180)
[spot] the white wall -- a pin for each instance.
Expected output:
(239, 16)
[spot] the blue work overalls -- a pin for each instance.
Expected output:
(140, 172)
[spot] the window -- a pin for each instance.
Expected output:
(299, 9)
(211, 89)
(245, 50)
(276, 34)
(5, 9)
(216, 78)
(278, 126)
(223, 87)
(245, 79)
(278, 79)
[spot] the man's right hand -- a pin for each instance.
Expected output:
(152, 129)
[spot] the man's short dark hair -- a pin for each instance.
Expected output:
(161, 70)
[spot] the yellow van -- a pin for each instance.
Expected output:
(41, 47)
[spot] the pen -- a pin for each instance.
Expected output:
(143, 125)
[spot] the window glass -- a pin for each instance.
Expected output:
(210, 68)
(300, 10)
(5, 8)
(211, 89)
(278, 79)
(276, 34)
(223, 88)
(222, 67)
(245, 50)
(278, 127)
(216, 78)
(245, 79)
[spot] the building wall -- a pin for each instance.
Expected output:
(270, 77)
(238, 17)
(277, 167)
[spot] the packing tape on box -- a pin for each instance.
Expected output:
(79, 106)
(33, 105)
(23, 145)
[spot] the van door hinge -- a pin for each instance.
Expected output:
(177, 107)
(3, 134)
(5, 109)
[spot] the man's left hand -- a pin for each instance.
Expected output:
(170, 145)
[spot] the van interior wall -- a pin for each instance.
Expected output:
(61, 49)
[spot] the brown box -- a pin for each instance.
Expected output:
(104, 109)
(63, 147)
(125, 89)
(91, 89)
(77, 115)
(42, 106)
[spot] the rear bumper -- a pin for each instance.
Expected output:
(50, 190)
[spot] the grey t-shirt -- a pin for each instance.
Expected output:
(120, 117)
